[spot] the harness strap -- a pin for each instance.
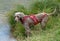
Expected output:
(24, 18)
(33, 17)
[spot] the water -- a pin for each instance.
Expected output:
(5, 29)
(5, 6)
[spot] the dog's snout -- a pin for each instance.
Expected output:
(16, 19)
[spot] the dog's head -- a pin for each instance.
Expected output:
(18, 15)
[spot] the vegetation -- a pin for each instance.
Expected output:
(52, 30)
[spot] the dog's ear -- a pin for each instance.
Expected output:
(17, 13)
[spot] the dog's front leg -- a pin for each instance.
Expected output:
(43, 22)
(27, 28)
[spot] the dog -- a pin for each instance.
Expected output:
(28, 20)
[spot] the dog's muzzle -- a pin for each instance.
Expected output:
(16, 18)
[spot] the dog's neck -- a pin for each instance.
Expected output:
(21, 19)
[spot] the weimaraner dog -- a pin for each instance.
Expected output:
(28, 20)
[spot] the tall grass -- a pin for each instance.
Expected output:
(43, 5)
(49, 34)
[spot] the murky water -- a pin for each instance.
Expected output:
(5, 29)
(5, 6)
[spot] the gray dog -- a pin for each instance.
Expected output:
(28, 20)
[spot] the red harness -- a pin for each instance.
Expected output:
(35, 20)
(33, 17)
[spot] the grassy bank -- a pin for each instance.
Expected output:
(52, 30)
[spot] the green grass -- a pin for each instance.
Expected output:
(52, 30)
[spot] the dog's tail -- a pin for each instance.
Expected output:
(53, 13)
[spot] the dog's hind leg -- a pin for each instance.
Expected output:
(43, 22)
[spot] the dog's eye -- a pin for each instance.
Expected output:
(16, 16)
